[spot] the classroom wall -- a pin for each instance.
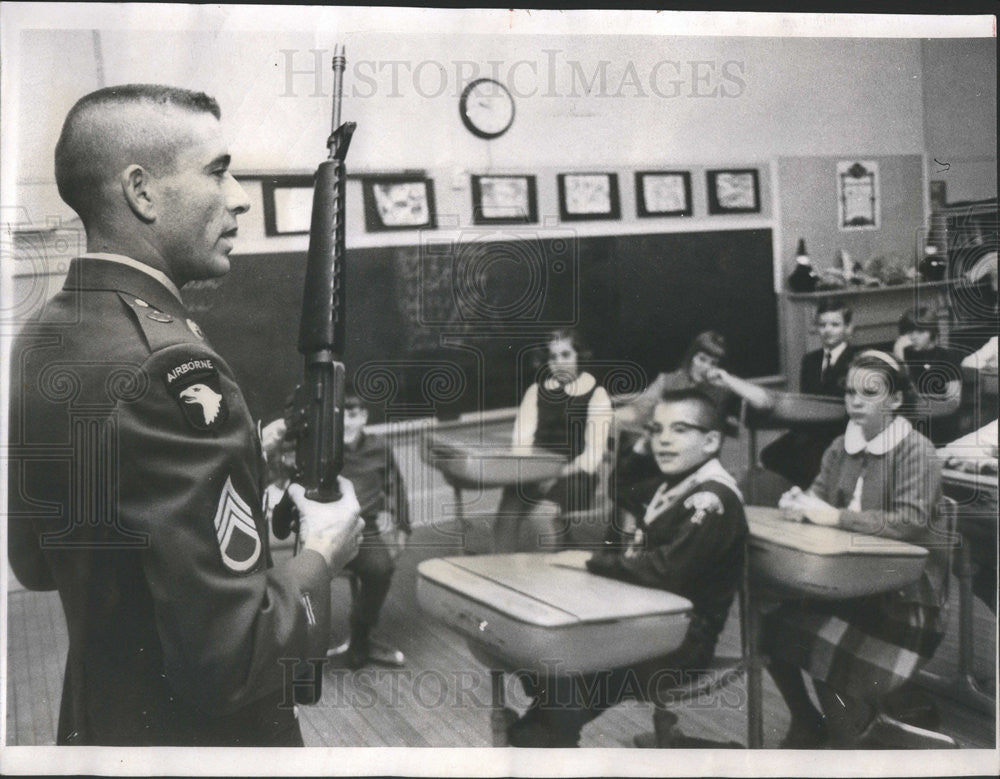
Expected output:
(808, 187)
(960, 115)
(725, 100)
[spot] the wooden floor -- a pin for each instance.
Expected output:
(441, 698)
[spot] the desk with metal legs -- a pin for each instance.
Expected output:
(492, 463)
(976, 495)
(526, 612)
(801, 560)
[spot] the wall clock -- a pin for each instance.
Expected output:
(486, 108)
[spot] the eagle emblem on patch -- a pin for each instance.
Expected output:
(195, 386)
(239, 541)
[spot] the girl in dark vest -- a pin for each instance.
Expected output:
(567, 412)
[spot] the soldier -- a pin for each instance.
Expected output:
(138, 492)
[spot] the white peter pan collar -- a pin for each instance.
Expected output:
(886, 441)
(581, 385)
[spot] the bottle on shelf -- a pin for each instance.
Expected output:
(803, 278)
(933, 266)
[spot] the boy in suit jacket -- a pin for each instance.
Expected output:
(796, 455)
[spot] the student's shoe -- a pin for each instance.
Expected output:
(664, 731)
(801, 736)
(538, 729)
(886, 733)
(384, 654)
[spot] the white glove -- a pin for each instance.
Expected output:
(332, 529)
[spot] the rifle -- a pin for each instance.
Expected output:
(315, 417)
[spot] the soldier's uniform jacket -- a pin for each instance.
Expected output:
(135, 491)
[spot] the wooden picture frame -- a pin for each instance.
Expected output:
(733, 191)
(404, 202)
(504, 199)
(585, 196)
(663, 193)
(287, 201)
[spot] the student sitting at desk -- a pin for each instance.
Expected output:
(796, 455)
(568, 412)
(881, 478)
(701, 368)
(933, 370)
(683, 531)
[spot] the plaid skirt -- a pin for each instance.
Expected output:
(863, 647)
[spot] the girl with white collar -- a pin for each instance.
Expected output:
(568, 412)
(880, 478)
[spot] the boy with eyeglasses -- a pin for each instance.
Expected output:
(682, 531)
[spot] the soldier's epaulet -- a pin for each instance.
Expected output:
(159, 328)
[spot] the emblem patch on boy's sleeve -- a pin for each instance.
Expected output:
(703, 503)
(196, 387)
(239, 541)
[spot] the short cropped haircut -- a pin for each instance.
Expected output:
(922, 318)
(708, 342)
(831, 305)
(709, 413)
(78, 164)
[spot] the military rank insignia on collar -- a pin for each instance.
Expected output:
(195, 386)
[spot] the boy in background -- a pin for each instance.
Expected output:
(796, 455)
(683, 531)
(935, 374)
(370, 465)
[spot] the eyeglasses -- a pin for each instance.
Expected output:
(680, 428)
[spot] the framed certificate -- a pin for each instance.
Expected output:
(504, 200)
(733, 191)
(398, 203)
(663, 193)
(857, 195)
(588, 196)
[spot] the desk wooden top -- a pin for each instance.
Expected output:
(529, 588)
(767, 527)
(491, 463)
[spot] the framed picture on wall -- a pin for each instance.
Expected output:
(588, 196)
(504, 200)
(287, 204)
(733, 191)
(663, 193)
(857, 195)
(398, 203)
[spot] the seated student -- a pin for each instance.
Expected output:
(371, 466)
(796, 455)
(700, 368)
(687, 536)
(880, 478)
(568, 412)
(934, 373)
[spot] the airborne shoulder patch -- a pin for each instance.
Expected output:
(195, 385)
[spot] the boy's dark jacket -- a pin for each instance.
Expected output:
(694, 547)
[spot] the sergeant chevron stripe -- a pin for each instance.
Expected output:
(239, 541)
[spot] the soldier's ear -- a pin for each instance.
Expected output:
(137, 187)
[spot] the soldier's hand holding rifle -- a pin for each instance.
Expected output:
(332, 529)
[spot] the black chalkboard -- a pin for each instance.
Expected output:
(444, 329)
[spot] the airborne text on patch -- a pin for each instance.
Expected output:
(187, 367)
